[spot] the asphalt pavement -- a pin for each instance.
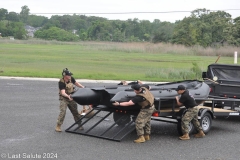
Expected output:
(29, 109)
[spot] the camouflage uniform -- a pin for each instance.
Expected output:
(143, 119)
(190, 115)
(143, 125)
(65, 102)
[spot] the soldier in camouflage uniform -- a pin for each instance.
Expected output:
(145, 99)
(66, 88)
(188, 101)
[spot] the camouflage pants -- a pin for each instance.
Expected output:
(72, 105)
(190, 115)
(143, 119)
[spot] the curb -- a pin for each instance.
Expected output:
(78, 80)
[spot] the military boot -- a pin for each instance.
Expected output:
(58, 128)
(200, 134)
(184, 137)
(147, 137)
(141, 139)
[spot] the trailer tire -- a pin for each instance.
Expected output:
(124, 119)
(206, 122)
(179, 127)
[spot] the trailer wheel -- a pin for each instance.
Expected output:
(179, 127)
(121, 119)
(206, 122)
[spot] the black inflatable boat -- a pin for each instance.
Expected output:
(165, 92)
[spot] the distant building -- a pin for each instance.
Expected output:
(74, 31)
(30, 30)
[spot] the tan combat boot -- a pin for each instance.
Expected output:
(141, 139)
(185, 137)
(200, 134)
(147, 137)
(58, 128)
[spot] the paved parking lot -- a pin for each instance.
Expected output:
(28, 114)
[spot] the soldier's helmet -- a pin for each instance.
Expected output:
(66, 72)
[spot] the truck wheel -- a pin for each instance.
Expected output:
(179, 127)
(206, 122)
(121, 119)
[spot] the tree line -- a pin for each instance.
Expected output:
(202, 27)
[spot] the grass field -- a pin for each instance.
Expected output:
(95, 60)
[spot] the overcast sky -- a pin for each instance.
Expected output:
(123, 6)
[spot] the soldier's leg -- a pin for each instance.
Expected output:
(197, 125)
(186, 119)
(147, 127)
(73, 108)
(140, 123)
(195, 120)
(63, 108)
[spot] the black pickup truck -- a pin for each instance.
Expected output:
(224, 82)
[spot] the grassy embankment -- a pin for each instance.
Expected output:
(99, 60)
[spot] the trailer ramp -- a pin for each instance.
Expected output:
(102, 125)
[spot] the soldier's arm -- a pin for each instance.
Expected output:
(64, 94)
(178, 103)
(129, 103)
(79, 85)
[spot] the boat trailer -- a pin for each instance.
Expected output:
(104, 123)
(112, 124)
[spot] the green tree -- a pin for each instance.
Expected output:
(66, 22)
(233, 33)
(3, 29)
(155, 24)
(12, 16)
(118, 36)
(15, 29)
(131, 28)
(37, 21)
(145, 30)
(136, 28)
(202, 28)
(53, 22)
(3, 13)
(79, 23)
(163, 32)
(185, 32)
(83, 35)
(55, 33)
(99, 31)
(24, 14)
(19, 30)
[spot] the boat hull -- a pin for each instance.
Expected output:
(164, 94)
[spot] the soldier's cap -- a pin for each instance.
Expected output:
(146, 86)
(67, 73)
(136, 87)
(181, 87)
